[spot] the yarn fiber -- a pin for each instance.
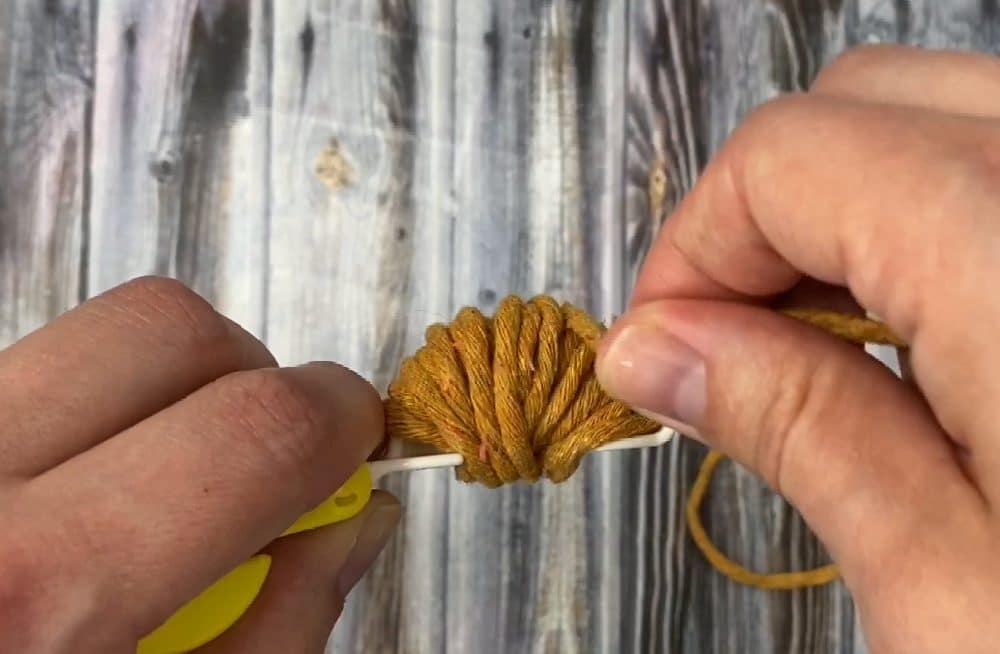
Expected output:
(515, 394)
(517, 397)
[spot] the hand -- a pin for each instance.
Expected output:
(881, 185)
(150, 445)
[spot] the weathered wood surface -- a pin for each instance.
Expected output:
(337, 174)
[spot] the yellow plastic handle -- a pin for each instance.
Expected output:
(220, 605)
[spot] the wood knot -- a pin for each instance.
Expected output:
(333, 168)
(515, 394)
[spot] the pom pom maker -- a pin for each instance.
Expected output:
(219, 606)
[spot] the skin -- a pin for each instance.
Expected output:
(140, 426)
(878, 187)
(150, 445)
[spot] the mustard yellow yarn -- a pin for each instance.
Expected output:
(517, 397)
(855, 329)
(515, 394)
(728, 567)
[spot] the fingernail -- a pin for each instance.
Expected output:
(657, 374)
(371, 540)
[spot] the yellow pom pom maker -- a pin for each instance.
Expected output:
(219, 606)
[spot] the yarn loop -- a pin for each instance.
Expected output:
(736, 572)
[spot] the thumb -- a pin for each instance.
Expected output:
(308, 582)
(852, 447)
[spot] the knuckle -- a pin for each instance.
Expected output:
(173, 309)
(767, 144)
(777, 123)
(778, 111)
(277, 413)
(843, 72)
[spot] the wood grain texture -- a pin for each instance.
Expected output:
(46, 83)
(337, 174)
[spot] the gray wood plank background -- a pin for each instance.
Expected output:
(336, 174)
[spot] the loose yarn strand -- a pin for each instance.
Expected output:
(517, 396)
(728, 567)
(854, 329)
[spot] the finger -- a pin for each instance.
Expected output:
(877, 199)
(826, 425)
(309, 580)
(169, 506)
(109, 363)
(943, 80)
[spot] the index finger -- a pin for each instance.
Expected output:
(162, 510)
(843, 191)
(898, 204)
